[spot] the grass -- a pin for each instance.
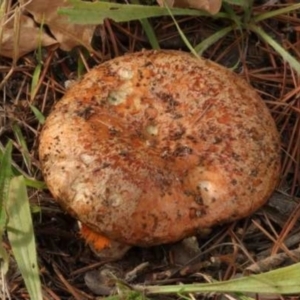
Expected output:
(96, 12)
(21, 236)
(62, 259)
(281, 281)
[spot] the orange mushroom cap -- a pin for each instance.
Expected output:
(154, 146)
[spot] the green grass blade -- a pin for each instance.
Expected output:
(282, 281)
(15, 171)
(200, 48)
(232, 15)
(38, 69)
(80, 64)
(40, 185)
(96, 12)
(181, 33)
(294, 63)
(40, 117)
(150, 34)
(5, 177)
(35, 80)
(23, 146)
(21, 236)
(277, 12)
(148, 30)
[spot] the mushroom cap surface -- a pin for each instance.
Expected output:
(154, 146)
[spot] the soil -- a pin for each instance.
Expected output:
(261, 242)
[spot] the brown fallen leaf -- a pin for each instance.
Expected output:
(211, 6)
(169, 3)
(67, 34)
(20, 35)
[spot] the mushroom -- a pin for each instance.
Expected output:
(156, 146)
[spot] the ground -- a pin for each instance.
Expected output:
(227, 251)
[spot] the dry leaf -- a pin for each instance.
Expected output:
(22, 36)
(67, 34)
(169, 3)
(211, 6)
